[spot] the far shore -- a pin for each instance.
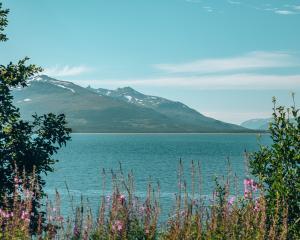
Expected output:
(186, 133)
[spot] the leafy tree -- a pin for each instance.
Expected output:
(278, 166)
(25, 147)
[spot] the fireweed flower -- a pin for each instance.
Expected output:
(6, 214)
(17, 180)
(231, 200)
(256, 206)
(76, 231)
(28, 194)
(25, 216)
(121, 198)
(249, 187)
(117, 226)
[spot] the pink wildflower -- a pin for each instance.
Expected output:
(25, 216)
(231, 200)
(118, 225)
(17, 180)
(76, 231)
(28, 194)
(121, 198)
(249, 187)
(256, 207)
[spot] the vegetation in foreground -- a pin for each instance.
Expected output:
(25, 147)
(124, 216)
(269, 208)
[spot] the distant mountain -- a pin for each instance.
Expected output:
(257, 124)
(192, 120)
(120, 110)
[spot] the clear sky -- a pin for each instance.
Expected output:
(225, 58)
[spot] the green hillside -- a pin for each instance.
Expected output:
(121, 110)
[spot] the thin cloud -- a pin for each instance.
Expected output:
(66, 71)
(205, 8)
(194, 1)
(234, 2)
(250, 61)
(280, 8)
(234, 81)
(208, 8)
(284, 12)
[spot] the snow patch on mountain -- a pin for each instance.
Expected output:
(62, 86)
(129, 98)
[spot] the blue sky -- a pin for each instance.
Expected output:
(225, 58)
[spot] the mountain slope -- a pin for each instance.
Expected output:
(189, 118)
(257, 124)
(122, 110)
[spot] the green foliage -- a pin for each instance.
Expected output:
(278, 166)
(3, 22)
(25, 147)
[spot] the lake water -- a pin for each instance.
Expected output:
(149, 156)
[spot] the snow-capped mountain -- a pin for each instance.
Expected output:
(120, 110)
(130, 95)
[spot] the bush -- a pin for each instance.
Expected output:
(278, 166)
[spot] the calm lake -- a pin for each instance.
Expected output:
(151, 157)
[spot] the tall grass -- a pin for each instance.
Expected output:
(122, 215)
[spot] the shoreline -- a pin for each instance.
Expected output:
(172, 133)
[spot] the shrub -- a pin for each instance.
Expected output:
(278, 167)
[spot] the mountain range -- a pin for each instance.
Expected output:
(122, 110)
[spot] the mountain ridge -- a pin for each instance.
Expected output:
(121, 110)
(173, 109)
